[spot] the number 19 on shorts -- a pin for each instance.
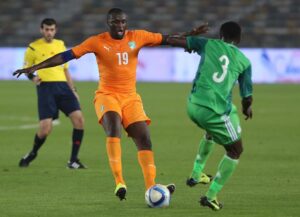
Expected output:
(122, 58)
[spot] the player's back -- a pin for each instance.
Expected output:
(220, 66)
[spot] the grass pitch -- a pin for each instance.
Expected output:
(266, 182)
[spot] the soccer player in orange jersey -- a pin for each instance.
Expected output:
(116, 102)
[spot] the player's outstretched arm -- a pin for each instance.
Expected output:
(179, 40)
(197, 31)
(56, 60)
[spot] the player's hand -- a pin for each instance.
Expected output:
(246, 107)
(200, 29)
(76, 95)
(248, 113)
(74, 90)
(27, 71)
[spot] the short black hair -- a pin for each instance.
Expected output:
(231, 31)
(48, 22)
(114, 11)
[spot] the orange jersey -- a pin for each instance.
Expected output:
(117, 59)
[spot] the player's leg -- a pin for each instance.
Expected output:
(135, 121)
(228, 133)
(197, 176)
(226, 168)
(47, 110)
(139, 132)
(112, 126)
(77, 136)
(199, 115)
(45, 127)
(69, 105)
(109, 115)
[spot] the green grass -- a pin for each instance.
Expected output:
(266, 182)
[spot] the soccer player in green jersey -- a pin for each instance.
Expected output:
(210, 106)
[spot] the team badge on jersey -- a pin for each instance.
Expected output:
(131, 44)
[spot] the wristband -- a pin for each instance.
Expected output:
(31, 76)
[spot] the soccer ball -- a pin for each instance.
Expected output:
(157, 196)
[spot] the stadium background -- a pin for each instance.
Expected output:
(267, 180)
(270, 34)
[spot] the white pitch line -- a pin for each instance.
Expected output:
(13, 118)
(26, 126)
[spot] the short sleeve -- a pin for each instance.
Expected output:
(29, 57)
(87, 46)
(196, 43)
(148, 38)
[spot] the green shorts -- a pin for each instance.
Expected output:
(225, 129)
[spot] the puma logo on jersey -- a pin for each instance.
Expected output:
(106, 48)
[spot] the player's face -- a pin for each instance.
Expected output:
(48, 32)
(117, 24)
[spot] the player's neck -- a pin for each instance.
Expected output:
(49, 41)
(115, 38)
(229, 41)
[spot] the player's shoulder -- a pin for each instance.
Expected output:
(100, 36)
(138, 32)
(36, 42)
(240, 55)
(58, 41)
(197, 42)
(32, 46)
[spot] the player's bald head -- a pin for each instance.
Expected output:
(115, 12)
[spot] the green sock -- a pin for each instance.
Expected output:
(205, 148)
(225, 170)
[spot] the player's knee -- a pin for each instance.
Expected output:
(44, 131)
(234, 154)
(235, 150)
(113, 130)
(144, 143)
(79, 123)
(77, 119)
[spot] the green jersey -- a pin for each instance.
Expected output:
(221, 65)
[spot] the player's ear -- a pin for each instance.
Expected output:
(108, 22)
